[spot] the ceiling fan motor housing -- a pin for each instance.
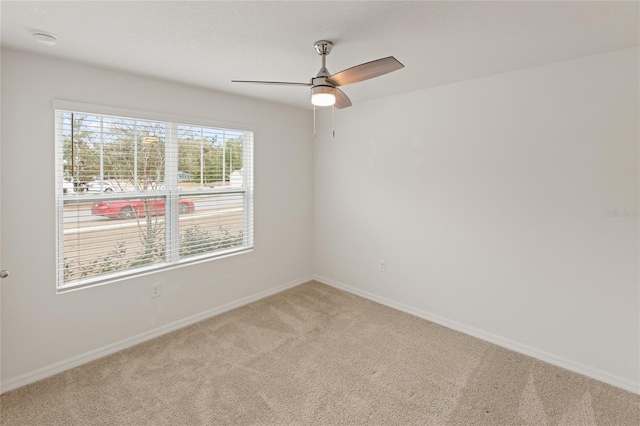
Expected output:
(322, 81)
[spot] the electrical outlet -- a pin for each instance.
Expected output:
(382, 265)
(155, 290)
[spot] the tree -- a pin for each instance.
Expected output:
(80, 159)
(126, 152)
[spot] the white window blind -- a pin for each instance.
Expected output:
(134, 195)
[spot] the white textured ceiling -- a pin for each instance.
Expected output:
(210, 43)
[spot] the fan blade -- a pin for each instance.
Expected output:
(366, 71)
(278, 83)
(342, 100)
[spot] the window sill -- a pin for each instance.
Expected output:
(149, 270)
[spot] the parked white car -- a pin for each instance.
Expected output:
(100, 186)
(67, 187)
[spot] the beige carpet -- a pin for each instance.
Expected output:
(317, 355)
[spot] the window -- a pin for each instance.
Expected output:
(137, 192)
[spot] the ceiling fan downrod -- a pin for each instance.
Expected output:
(323, 47)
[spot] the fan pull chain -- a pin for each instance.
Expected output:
(314, 121)
(333, 120)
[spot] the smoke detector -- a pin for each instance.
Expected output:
(45, 38)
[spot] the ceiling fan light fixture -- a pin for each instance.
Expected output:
(323, 96)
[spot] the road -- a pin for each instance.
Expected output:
(91, 245)
(201, 203)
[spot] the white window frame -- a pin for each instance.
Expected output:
(173, 121)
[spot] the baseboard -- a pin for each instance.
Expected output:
(576, 367)
(586, 370)
(58, 367)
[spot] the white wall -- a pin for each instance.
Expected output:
(488, 200)
(40, 328)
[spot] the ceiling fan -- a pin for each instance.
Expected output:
(324, 86)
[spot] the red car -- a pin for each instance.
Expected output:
(129, 209)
